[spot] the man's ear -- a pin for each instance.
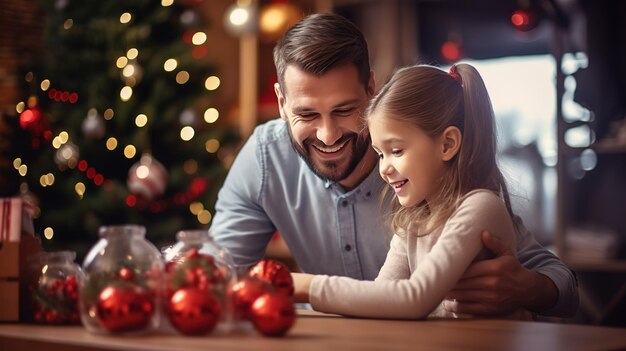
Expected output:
(371, 85)
(281, 100)
(451, 139)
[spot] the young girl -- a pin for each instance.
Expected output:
(434, 133)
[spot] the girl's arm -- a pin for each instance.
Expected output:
(431, 280)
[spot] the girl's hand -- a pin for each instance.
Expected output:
(301, 285)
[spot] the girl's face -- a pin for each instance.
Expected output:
(410, 161)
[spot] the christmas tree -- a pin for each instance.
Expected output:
(120, 122)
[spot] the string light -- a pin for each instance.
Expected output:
(182, 77)
(199, 38)
(126, 93)
(48, 233)
(212, 145)
(108, 114)
(125, 17)
(211, 115)
(130, 151)
(141, 120)
(212, 83)
(187, 133)
(111, 143)
(132, 53)
(170, 65)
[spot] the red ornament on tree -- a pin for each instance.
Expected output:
(245, 291)
(122, 308)
(275, 273)
(193, 311)
(272, 314)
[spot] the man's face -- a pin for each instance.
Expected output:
(324, 114)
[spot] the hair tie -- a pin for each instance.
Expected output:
(454, 74)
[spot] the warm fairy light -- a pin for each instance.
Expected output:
(17, 163)
(142, 172)
(166, 3)
(204, 217)
(170, 65)
(125, 17)
(132, 53)
(50, 179)
(130, 151)
(46, 180)
(211, 115)
(64, 136)
(128, 71)
(111, 143)
(187, 133)
(212, 145)
(45, 84)
(182, 77)
(80, 189)
(108, 114)
(68, 23)
(141, 120)
(121, 62)
(29, 77)
(126, 93)
(239, 16)
(199, 38)
(19, 108)
(190, 167)
(56, 142)
(22, 170)
(48, 233)
(67, 153)
(31, 102)
(212, 83)
(196, 207)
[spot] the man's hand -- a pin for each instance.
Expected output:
(301, 285)
(500, 285)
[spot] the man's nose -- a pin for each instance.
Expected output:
(329, 131)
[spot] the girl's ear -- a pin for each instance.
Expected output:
(451, 143)
(281, 100)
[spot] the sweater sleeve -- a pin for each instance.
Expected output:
(458, 245)
(396, 264)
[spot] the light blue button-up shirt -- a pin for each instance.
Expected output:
(327, 229)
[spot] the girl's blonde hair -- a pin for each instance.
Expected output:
(433, 100)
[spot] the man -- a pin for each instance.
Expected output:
(313, 176)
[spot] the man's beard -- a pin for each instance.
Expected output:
(334, 170)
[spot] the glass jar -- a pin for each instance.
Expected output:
(123, 279)
(55, 294)
(198, 275)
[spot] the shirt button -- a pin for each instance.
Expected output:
(348, 247)
(344, 203)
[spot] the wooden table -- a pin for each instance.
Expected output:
(320, 332)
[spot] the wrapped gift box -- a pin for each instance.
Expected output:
(17, 243)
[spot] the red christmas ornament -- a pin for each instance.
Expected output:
(272, 314)
(193, 311)
(275, 273)
(123, 308)
(33, 120)
(127, 274)
(245, 291)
